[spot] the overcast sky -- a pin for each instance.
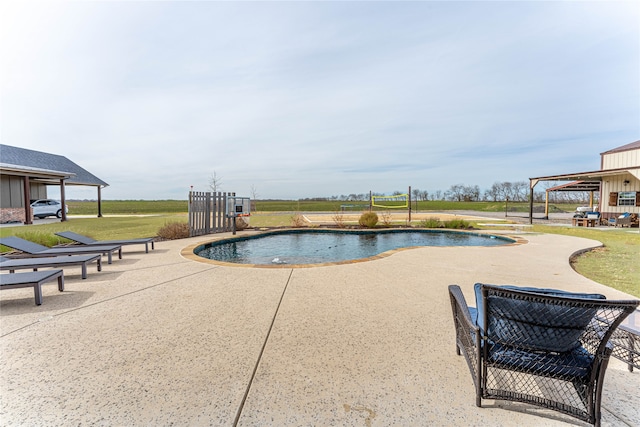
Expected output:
(313, 99)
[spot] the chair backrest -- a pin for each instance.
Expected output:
(76, 237)
(539, 319)
(22, 245)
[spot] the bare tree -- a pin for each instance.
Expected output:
(215, 182)
(455, 193)
(254, 197)
(494, 193)
(463, 193)
(416, 196)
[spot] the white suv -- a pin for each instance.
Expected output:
(46, 207)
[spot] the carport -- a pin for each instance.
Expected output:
(22, 170)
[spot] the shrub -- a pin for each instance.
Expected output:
(297, 221)
(338, 218)
(368, 219)
(457, 223)
(431, 222)
(386, 218)
(174, 230)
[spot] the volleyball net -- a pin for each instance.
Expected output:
(400, 201)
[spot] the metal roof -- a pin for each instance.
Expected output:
(627, 147)
(585, 176)
(45, 166)
(34, 172)
(577, 186)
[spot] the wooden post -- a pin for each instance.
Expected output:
(531, 185)
(546, 204)
(207, 212)
(409, 196)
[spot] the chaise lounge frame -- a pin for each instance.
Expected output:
(32, 279)
(31, 249)
(88, 241)
(57, 261)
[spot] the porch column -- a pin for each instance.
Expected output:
(99, 201)
(63, 201)
(27, 201)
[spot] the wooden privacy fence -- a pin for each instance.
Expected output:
(207, 213)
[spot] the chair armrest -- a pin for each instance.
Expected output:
(459, 304)
(468, 338)
(468, 334)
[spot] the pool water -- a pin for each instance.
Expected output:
(321, 246)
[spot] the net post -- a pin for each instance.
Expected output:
(409, 199)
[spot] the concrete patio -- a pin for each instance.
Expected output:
(161, 339)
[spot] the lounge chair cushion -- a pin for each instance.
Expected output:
(536, 326)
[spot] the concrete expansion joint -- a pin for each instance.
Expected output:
(619, 417)
(264, 345)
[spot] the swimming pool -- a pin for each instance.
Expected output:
(294, 247)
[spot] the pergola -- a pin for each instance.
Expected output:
(581, 181)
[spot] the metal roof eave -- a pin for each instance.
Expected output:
(10, 169)
(48, 181)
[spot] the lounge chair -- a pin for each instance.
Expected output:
(79, 238)
(542, 347)
(33, 279)
(36, 250)
(626, 219)
(57, 261)
(622, 220)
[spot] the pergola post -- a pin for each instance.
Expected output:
(532, 183)
(546, 204)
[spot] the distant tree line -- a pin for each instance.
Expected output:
(499, 192)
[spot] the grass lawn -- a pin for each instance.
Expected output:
(616, 264)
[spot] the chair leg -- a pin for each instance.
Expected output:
(37, 290)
